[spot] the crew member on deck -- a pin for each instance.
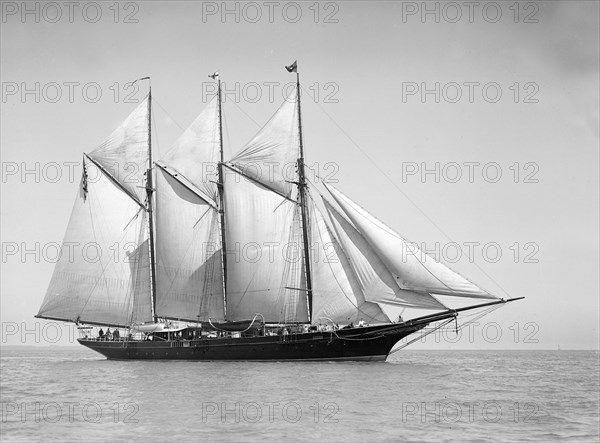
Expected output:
(362, 323)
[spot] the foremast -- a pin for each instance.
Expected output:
(150, 209)
(220, 194)
(302, 196)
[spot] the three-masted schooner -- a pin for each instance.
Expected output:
(200, 258)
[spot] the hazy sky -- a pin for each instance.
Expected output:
(517, 94)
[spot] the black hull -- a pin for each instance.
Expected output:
(358, 344)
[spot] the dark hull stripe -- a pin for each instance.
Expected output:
(364, 344)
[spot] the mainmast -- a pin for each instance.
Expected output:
(149, 195)
(302, 192)
(220, 188)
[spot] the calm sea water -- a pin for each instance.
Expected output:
(73, 394)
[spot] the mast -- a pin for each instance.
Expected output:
(302, 192)
(220, 188)
(149, 194)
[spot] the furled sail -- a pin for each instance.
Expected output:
(196, 153)
(412, 268)
(376, 282)
(262, 262)
(336, 294)
(188, 250)
(271, 156)
(124, 155)
(100, 272)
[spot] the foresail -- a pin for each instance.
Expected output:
(271, 156)
(263, 262)
(196, 153)
(98, 277)
(337, 294)
(124, 155)
(377, 283)
(412, 268)
(188, 249)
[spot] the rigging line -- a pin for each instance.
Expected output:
(245, 113)
(155, 133)
(427, 332)
(482, 314)
(401, 191)
(168, 115)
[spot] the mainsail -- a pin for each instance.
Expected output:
(99, 277)
(188, 251)
(260, 243)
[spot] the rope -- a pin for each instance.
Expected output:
(421, 336)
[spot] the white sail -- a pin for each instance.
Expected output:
(98, 274)
(188, 253)
(262, 258)
(412, 268)
(124, 155)
(139, 263)
(196, 153)
(336, 292)
(376, 282)
(271, 156)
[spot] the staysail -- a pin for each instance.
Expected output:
(337, 294)
(99, 277)
(377, 284)
(412, 268)
(262, 262)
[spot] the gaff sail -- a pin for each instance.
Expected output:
(101, 275)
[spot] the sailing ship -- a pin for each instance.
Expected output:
(196, 257)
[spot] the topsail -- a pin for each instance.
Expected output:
(271, 156)
(124, 155)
